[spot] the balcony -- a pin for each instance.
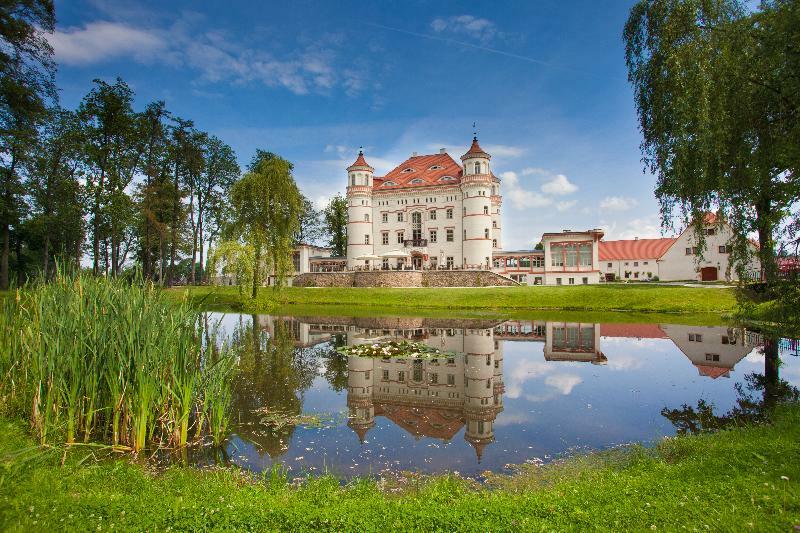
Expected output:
(416, 243)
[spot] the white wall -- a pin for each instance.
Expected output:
(676, 265)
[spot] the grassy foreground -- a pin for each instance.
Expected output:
(639, 298)
(739, 479)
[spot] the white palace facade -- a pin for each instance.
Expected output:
(431, 212)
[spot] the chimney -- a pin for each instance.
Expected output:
(413, 154)
(442, 150)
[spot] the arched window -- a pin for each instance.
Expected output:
(477, 167)
(486, 233)
(416, 181)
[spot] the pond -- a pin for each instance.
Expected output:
(503, 392)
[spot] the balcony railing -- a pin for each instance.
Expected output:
(415, 243)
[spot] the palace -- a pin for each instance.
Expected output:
(432, 213)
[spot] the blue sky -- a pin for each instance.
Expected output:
(545, 81)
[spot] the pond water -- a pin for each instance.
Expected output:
(504, 392)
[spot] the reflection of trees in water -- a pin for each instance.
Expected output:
(755, 399)
(335, 363)
(273, 376)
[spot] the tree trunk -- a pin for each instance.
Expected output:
(20, 262)
(96, 225)
(766, 242)
(256, 270)
(194, 237)
(6, 236)
(771, 369)
(200, 259)
(174, 232)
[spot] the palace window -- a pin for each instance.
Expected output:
(558, 281)
(432, 215)
(400, 217)
(723, 249)
(486, 210)
(433, 235)
(572, 281)
(408, 170)
(389, 183)
(636, 263)
(450, 213)
(400, 237)
(477, 168)
(712, 357)
(451, 379)
(494, 243)
(585, 281)
(449, 235)
(710, 231)
(385, 237)
(449, 261)
(525, 262)
(385, 375)
(572, 255)
(434, 378)
(465, 211)
(494, 223)
(366, 239)
(385, 217)
(401, 376)
(366, 218)
(447, 178)
(538, 261)
(436, 167)
(486, 233)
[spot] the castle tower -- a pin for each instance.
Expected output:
(476, 189)
(359, 211)
(359, 395)
(479, 404)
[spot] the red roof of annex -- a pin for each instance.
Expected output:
(634, 249)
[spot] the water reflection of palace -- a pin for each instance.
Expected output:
(436, 397)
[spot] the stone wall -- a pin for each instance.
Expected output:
(465, 278)
(411, 278)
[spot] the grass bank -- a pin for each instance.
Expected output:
(745, 478)
(613, 298)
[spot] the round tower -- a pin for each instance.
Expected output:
(476, 192)
(494, 209)
(359, 211)
(359, 395)
(479, 408)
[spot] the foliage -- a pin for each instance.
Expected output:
(335, 222)
(27, 87)
(235, 260)
(95, 359)
(266, 204)
(717, 89)
(728, 481)
(310, 229)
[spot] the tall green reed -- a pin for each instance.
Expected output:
(101, 359)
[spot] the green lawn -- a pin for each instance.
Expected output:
(741, 479)
(623, 298)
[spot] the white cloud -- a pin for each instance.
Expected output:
(214, 55)
(519, 197)
(618, 203)
(99, 41)
(564, 383)
(643, 228)
(502, 150)
(480, 29)
(566, 205)
(559, 185)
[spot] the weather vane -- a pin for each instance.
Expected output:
(474, 130)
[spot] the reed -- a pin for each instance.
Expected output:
(105, 360)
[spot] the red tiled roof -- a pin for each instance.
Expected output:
(712, 372)
(634, 249)
(423, 421)
(639, 331)
(474, 149)
(360, 162)
(421, 173)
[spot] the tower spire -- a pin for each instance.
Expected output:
(474, 131)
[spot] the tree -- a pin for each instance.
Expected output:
(209, 190)
(310, 230)
(113, 151)
(335, 224)
(27, 84)
(717, 90)
(55, 191)
(266, 205)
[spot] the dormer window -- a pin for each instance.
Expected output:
(447, 178)
(408, 170)
(436, 167)
(416, 181)
(389, 183)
